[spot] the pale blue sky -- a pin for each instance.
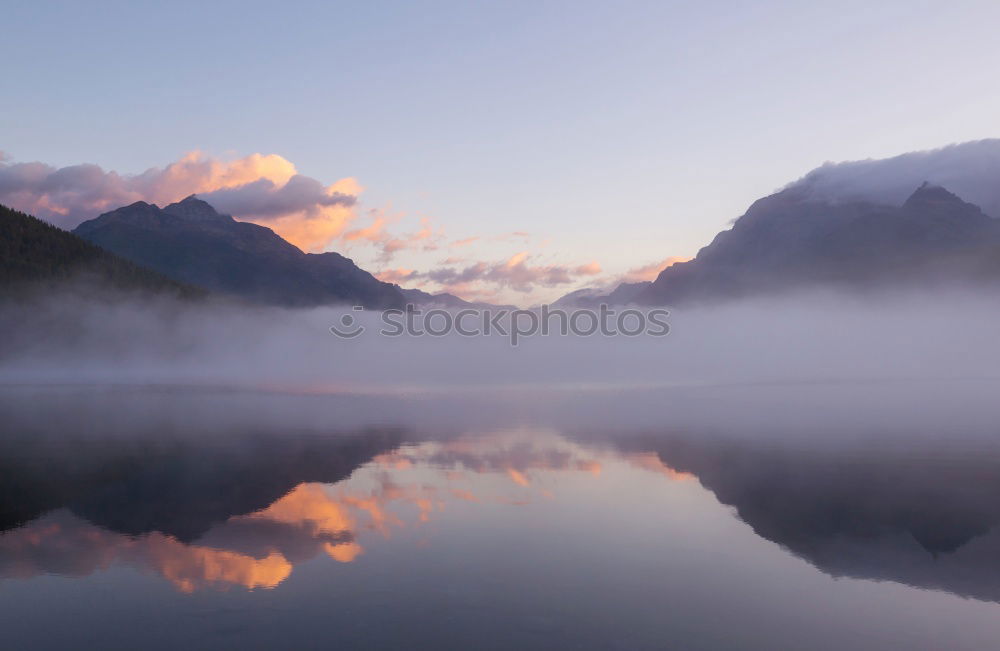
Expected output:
(621, 133)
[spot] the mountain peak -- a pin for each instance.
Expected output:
(931, 193)
(191, 207)
(190, 241)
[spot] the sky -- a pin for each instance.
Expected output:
(509, 151)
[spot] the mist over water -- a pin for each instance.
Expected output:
(815, 459)
(799, 338)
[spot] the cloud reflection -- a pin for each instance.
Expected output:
(399, 490)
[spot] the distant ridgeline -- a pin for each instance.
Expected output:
(190, 242)
(35, 255)
(188, 248)
(794, 240)
(790, 240)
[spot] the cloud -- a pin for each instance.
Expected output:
(648, 272)
(426, 238)
(515, 273)
(971, 170)
(372, 233)
(463, 242)
(397, 276)
(262, 188)
(267, 189)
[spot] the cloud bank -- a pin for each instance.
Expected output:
(971, 170)
(267, 189)
(262, 188)
(516, 273)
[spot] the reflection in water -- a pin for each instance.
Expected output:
(925, 516)
(923, 521)
(62, 543)
(396, 489)
(545, 535)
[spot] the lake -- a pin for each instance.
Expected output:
(722, 517)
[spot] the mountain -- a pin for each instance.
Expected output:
(794, 240)
(444, 300)
(177, 485)
(591, 297)
(421, 298)
(969, 169)
(34, 253)
(192, 243)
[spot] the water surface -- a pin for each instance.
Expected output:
(173, 518)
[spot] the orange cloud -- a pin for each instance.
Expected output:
(262, 188)
(398, 275)
(589, 269)
(649, 272)
(651, 461)
(463, 242)
(425, 238)
(196, 173)
(373, 233)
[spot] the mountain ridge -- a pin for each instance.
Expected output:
(34, 253)
(190, 241)
(789, 240)
(792, 240)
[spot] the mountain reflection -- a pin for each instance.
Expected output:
(397, 489)
(223, 502)
(923, 515)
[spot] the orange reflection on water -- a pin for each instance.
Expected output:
(65, 544)
(190, 567)
(394, 491)
(308, 505)
(518, 477)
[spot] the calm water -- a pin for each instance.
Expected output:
(748, 518)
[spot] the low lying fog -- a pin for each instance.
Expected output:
(909, 362)
(801, 338)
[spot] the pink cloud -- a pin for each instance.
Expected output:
(589, 269)
(262, 188)
(650, 271)
(463, 242)
(398, 275)
(516, 273)
(376, 233)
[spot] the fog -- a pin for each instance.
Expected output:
(801, 338)
(904, 358)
